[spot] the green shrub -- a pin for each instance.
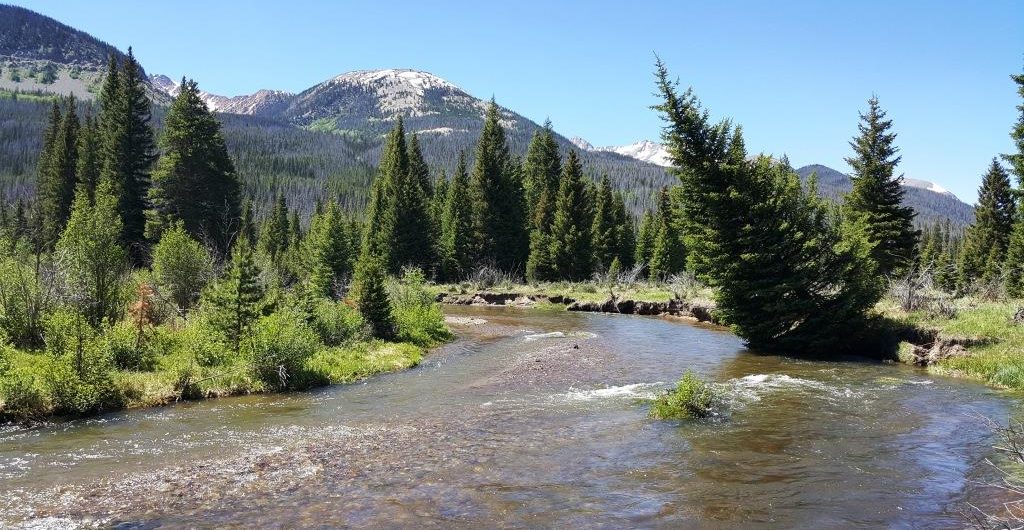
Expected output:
(66, 332)
(418, 316)
(82, 383)
(22, 393)
(337, 323)
(127, 350)
(281, 343)
(692, 399)
(25, 295)
(200, 340)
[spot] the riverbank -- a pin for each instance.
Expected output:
(969, 337)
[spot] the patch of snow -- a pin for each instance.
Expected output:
(581, 143)
(644, 150)
(443, 131)
(927, 185)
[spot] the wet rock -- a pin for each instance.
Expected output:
(1018, 317)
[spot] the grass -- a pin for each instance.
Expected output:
(997, 353)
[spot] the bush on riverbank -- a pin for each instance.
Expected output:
(691, 399)
(132, 363)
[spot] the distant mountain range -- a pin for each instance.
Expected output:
(329, 135)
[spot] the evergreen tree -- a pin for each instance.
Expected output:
(418, 170)
(497, 197)
(456, 250)
(326, 249)
(645, 241)
(247, 223)
(371, 297)
(295, 234)
(605, 230)
(128, 149)
(92, 262)
(238, 299)
(542, 170)
(570, 230)
(87, 171)
(274, 235)
(194, 181)
(987, 239)
(626, 232)
(399, 228)
(787, 279)
(876, 201)
(1014, 281)
(667, 253)
(57, 173)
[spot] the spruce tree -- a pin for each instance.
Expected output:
(456, 250)
(987, 239)
(247, 223)
(239, 298)
(787, 279)
(667, 254)
(195, 180)
(87, 171)
(542, 170)
(497, 196)
(57, 173)
(605, 230)
(645, 242)
(181, 266)
(876, 201)
(275, 231)
(626, 232)
(326, 251)
(571, 246)
(418, 169)
(369, 292)
(1014, 276)
(128, 148)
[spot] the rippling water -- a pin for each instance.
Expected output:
(534, 419)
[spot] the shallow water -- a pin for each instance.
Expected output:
(534, 419)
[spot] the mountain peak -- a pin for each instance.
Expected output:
(643, 150)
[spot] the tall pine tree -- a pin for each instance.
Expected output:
(605, 230)
(875, 204)
(668, 256)
(456, 245)
(1015, 251)
(987, 239)
(128, 148)
(542, 171)
(497, 196)
(194, 181)
(571, 247)
(57, 173)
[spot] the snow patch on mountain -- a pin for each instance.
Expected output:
(644, 150)
(400, 91)
(927, 185)
(247, 104)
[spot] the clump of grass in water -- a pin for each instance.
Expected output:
(691, 399)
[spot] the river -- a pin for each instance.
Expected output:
(533, 419)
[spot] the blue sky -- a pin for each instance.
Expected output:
(794, 75)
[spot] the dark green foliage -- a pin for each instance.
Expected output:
(626, 232)
(456, 243)
(498, 201)
(645, 240)
(542, 171)
(668, 255)
(194, 181)
(987, 240)
(87, 170)
(787, 279)
(281, 343)
(128, 149)
(275, 231)
(418, 170)
(1014, 280)
(691, 399)
(247, 223)
(57, 166)
(399, 225)
(876, 200)
(605, 231)
(238, 299)
(327, 252)
(369, 292)
(571, 226)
